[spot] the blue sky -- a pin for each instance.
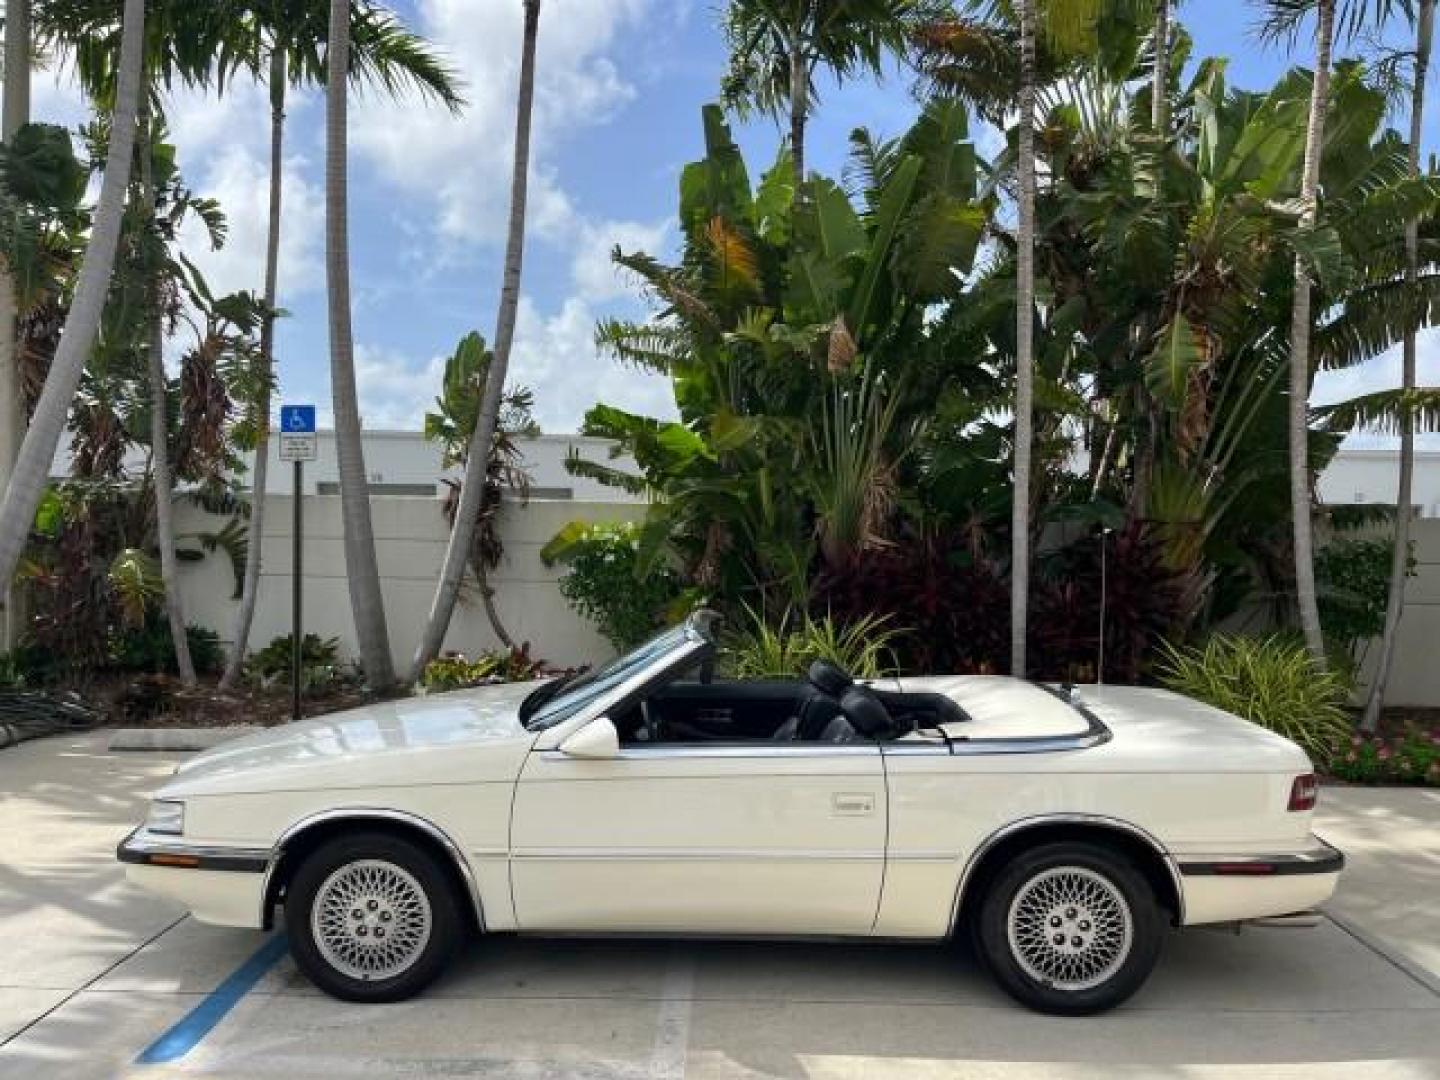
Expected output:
(620, 86)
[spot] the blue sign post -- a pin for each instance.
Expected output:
(297, 445)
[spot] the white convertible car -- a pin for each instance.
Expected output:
(1063, 829)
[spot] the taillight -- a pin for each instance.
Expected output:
(1303, 792)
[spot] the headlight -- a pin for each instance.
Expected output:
(166, 817)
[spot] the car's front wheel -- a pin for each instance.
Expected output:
(372, 918)
(1070, 928)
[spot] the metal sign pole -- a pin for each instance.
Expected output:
(297, 638)
(297, 445)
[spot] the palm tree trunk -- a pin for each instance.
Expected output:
(12, 408)
(1300, 327)
(361, 569)
(1399, 559)
(1024, 346)
(487, 597)
(472, 490)
(32, 468)
(164, 483)
(799, 107)
(250, 588)
(1160, 84)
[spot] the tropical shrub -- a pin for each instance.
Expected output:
(320, 665)
(1141, 598)
(762, 650)
(950, 610)
(149, 647)
(454, 672)
(606, 585)
(1411, 757)
(1353, 578)
(1271, 681)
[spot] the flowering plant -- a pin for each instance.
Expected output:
(1410, 757)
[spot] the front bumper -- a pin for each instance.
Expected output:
(1226, 888)
(224, 886)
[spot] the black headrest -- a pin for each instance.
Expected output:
(829, 678)
(866, 713)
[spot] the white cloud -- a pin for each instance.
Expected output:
(596, 278)
(394, 390)
(554, 356)
(224, 146)
(241, 182)
(463, 162)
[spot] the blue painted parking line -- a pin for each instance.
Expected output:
(186, 1034)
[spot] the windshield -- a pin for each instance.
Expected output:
(558, 701)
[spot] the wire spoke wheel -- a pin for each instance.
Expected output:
(371, 920)
(1070, 928)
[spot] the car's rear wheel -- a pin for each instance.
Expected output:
(1070, 928)
(372, 918)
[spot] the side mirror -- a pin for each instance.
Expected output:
(597, 739)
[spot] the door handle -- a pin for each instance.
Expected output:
(852, 803)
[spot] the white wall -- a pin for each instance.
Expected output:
(1373, 476)
(407, 457)
(1415, 678)
(410, 537)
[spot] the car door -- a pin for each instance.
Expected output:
(713, 838)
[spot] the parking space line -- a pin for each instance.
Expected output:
(81, 989)
(677, 996)
(187, 1032)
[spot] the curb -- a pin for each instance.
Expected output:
(1386, 952)
(177, 739)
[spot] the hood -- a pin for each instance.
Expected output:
(430, 739)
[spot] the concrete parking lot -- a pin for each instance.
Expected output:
(94, 974)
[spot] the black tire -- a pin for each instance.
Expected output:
(388, 854)
(1122, 896)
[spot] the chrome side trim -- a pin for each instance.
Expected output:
(386, 814)
(695, 855)
(694, 751)
(1040, 820)
(141, 850)
(915, 749)
(1035, 744)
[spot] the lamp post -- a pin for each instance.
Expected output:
(1100, 659)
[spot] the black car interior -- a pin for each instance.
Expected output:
(827, 706)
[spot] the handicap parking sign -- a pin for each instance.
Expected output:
(297, 419)
(297, 433)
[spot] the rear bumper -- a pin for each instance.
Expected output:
(1224, 888)
(224, 886)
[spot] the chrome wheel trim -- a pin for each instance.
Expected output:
(1070, 928)
(371, 920)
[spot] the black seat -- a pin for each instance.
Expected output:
(865, 712)
(816, 709)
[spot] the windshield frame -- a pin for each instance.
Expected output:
(592, 693)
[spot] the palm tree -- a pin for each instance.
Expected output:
(161, 476)
(1160, 80)
(776, 45)
(1300, 327)
(16, 112)
(361, 568)
(477, 462)
(1395, 604)
(22, 496)
(287, 39)
(1024, 343)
